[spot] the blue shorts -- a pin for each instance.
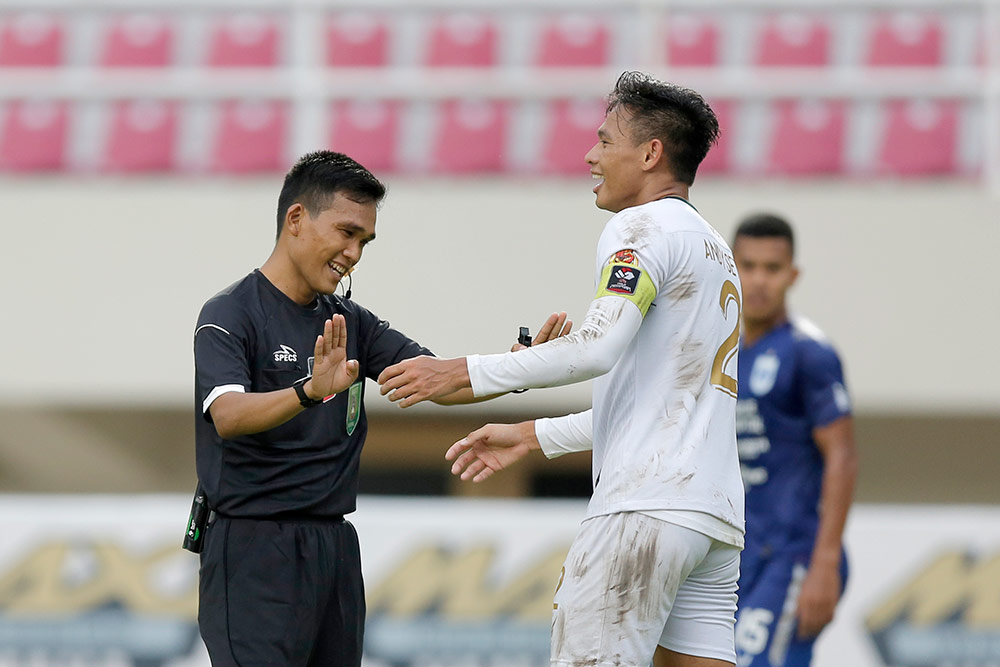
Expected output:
(766, 626)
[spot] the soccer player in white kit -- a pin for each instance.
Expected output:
(651, 575)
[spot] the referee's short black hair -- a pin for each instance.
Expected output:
(766, 225)
(317, 177)
(677, 116)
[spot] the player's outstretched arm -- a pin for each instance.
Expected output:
(235, 414)
(446, 381)
(490, 449)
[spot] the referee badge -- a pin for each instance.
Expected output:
(353, 406)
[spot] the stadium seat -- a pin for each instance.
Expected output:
(367, 131)
(808, 137)
(719, 158)
(791, 39)
(250, 137)
(31, 40)
(471, 137)
(245, 40)
(906, 39)
(142, 136)
(138, 40)
(462, 40)
(920, 137)
(571, 131)
(33, 135)
(574, 40)
(692, 40)
(357, 39)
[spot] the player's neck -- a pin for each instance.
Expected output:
(662, 190)
(754, 330)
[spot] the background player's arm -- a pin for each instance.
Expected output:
(492, 448)
(237, 413)
(822, 585)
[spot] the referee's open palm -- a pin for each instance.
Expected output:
(333, 372)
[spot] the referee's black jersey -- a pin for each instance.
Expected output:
(250, 337)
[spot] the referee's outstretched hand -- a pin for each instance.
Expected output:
(333, 372)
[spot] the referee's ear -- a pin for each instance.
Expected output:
(294, 218)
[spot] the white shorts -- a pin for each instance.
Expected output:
(631, 582)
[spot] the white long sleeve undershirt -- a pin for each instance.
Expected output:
(567, 434)
(610, 325)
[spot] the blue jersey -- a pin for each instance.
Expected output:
(790, 382)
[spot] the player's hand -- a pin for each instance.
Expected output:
(490, 449)
(423, 379)
(555, 326)
(332, 371)
(818, 599)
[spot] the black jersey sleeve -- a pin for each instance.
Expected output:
(385, 346)
(221, 352)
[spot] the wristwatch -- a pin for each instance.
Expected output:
(300, 391)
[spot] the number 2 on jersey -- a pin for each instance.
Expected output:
(720, 379)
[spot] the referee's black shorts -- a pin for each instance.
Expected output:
(282, 593)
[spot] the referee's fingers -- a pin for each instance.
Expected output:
(339, 331)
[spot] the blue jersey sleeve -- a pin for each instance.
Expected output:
(824, 396)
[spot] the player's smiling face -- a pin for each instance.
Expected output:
(616, 161)
(331, 243)
(767, 271)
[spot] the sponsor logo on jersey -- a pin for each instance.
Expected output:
(286, 354)
(764, 373)
(623, 280)
(623, 257)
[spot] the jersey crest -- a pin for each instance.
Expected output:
(764, 373)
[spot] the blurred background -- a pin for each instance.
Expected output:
(142, 147)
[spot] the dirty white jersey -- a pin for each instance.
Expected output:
(664, 418)
(664, 406)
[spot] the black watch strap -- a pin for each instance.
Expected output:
(300, 391)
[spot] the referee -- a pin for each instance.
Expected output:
(280, 363)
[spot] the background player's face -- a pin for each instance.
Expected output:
(617, 161)
(767, 271)
(330, 244)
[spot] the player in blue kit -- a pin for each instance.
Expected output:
(796, 446)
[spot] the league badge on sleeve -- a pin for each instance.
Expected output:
(623, 279)
(623, 257)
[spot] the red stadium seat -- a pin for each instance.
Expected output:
(31, 40)
(692, 41)
(906, 39)
(142, 136)
(245, 40)
(33, 136)
(571, 132)
(471, 137)
(788, 40)
(357, 39)
(574, 40)
(719, 158)
(808, 137)
(920, 137)
(138, 40)
(250, 137)
(367, 131)
(463, 40)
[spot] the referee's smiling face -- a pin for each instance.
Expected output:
(328, 245)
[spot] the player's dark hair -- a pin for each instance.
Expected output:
(319, 176)
(766, 225)
(677, 116)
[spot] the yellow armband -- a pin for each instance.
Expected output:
(623, 277)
